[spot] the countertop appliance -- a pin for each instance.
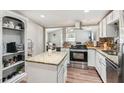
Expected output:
(11, 47)
(79, 56)
(112, 71)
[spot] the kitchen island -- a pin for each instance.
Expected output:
(47, 68)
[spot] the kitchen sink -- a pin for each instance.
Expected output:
(110, 52)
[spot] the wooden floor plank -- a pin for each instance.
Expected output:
(75, 75)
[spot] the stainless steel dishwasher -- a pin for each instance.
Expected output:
(111, 72)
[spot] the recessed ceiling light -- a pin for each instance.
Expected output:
(42, 16)
(86, 11)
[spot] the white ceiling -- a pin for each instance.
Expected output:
(58, 18)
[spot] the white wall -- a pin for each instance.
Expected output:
(9, 36)
(57, 39)
(82, 36)
(35, 33)
(94, 29)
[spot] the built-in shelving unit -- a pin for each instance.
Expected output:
(7, 54)
(15, 64)
(16, 78)
(12, 29)
(12, 67)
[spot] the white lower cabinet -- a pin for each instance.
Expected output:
(101, 66)
(68, 53)
(61, 75)
(91, 57)
(97, 60)
(62, 71)
(103, 71)
(97, 64)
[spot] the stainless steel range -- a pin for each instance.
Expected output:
(79, 56)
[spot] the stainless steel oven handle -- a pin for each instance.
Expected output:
(78, 50)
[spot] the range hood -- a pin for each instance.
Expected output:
(77, 25)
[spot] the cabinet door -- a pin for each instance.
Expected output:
(91, 57)
(103, 71)
(109, 18)
(62, 71)
(61, 75)
(97, 64)
(68, 54)
(100, 29)
(116, 14)
(65, 70)
(101, 66)
(104, 28)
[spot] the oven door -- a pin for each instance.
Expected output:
(77, 55)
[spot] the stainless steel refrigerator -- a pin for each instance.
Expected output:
(121, 47)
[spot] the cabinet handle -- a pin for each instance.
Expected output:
(101, 61)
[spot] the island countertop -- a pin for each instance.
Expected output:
(54, 58)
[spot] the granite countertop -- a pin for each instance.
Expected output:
(113, 58)
(54, 58)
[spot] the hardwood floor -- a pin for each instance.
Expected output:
(75, 75)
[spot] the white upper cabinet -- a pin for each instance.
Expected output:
(100, 29)
(104, 28)
(116, 15)
(113, 17)
(110, 18)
